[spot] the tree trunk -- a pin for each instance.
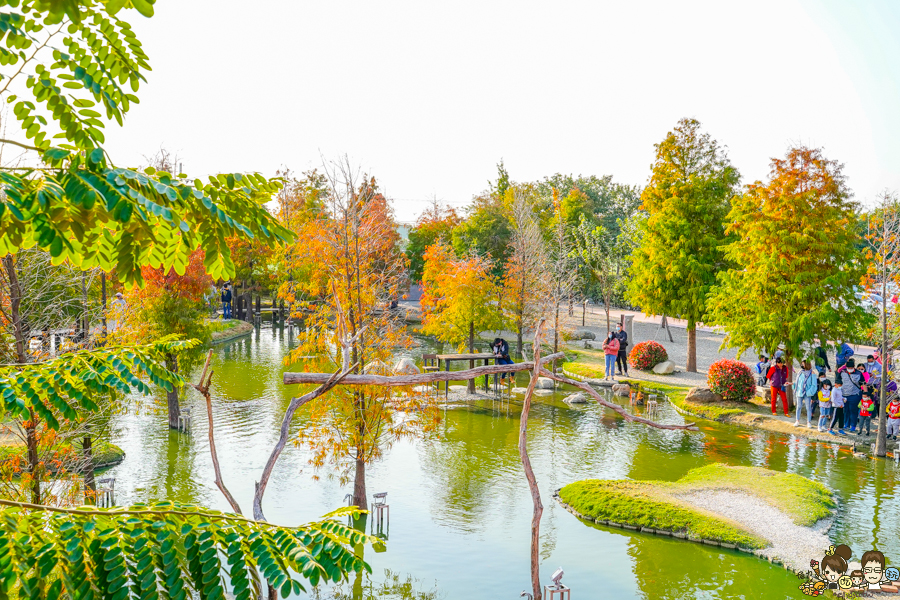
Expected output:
(103, 300)
(571, 307)
(359, 484)
(881, 439)
(519, 343)
(15, 302)
(172, 397)
(88, 452)
(691, 347)
(471, 382)
(529, 472)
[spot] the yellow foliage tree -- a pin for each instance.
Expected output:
(459, 296)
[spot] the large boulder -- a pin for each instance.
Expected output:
(576, 398)
(666, 367)
(544, 383)
(582, 334)
(406, 366)
(621, 389)
(376, 367)
(700, 395)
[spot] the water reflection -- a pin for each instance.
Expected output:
(460, 505)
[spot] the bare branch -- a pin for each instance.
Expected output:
(296, 403)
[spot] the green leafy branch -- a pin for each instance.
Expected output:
(73, 380)
(168, 550)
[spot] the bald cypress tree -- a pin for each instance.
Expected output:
(675, 266)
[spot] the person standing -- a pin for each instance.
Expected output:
(893, 418)
(777, 377)
(622, 356)
(806, 387)
(821, 360)
(866, 410)
(824, 405)
(611, 350)
(117, 312)
(844, 354)
(873, 371)
(501, 350)
(851, 385)
(837, 407)
(226, 301)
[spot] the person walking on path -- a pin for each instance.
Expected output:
(806, 387)
(226, 301)
(622, 356)
(611, 349)
(837, 408)
(824, 405)
(501, 350)
(851, 384)
(762, 367)
(844, 354)
(777, 377)
(893, 418)
(821, 360)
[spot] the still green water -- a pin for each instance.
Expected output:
(460, 506)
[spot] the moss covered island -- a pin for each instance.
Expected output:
(657, 505)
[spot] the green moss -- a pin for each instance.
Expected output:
(103, 454)
(655, 504)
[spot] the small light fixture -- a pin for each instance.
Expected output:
(558, 590)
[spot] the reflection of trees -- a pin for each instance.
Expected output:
(393, 587)
(666, 568)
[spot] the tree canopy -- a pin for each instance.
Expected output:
(674, 268)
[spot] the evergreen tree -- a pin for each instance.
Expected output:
(675, 266)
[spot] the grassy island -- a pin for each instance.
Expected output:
(658, 505)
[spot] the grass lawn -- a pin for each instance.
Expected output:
(655, 504)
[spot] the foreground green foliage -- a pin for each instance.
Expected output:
(169, 550)
(656, 504)
(72, 382)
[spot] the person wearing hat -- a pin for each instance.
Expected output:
(117, 312)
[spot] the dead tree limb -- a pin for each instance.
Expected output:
(203, 388)
(529, 472)
(296, 403)
(424, 378)
(603, 402)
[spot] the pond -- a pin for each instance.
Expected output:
(460, 506)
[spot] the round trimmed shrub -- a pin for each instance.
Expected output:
(732, 379)
(646, 355)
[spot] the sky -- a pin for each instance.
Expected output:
(428, 97)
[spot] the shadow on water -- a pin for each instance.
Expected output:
(460, 505)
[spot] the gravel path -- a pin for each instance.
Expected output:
(791, 544)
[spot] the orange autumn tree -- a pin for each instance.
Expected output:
(356, 268)
(459, 297)
(170, 303)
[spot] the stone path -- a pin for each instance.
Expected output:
(792, 545)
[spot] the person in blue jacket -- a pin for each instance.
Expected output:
(844, 353)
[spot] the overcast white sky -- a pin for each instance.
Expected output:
(429, 96)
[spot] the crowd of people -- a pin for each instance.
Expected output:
(844, 406)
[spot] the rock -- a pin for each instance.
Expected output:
(621, 389)
(582, 334)
(376, 367)
(576, 398)
(700, 395)
(540, 392)
(519, 390)
(406, 366)
(461, 389)
(544, 383)
(666, 367)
